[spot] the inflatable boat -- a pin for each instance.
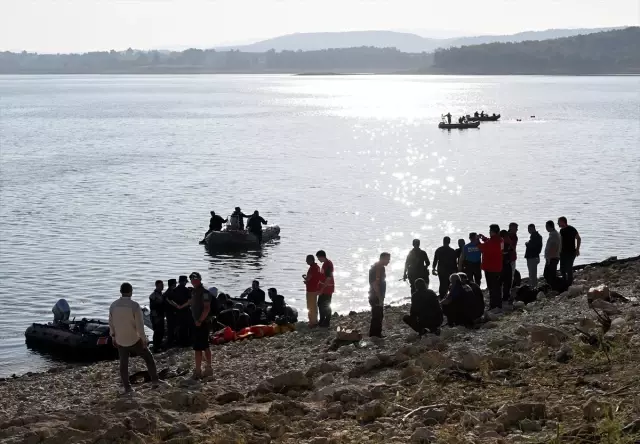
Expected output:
(443, 125)
(85, 339)
(239, 239)
(485, 118)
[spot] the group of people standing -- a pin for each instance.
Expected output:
(320, 286)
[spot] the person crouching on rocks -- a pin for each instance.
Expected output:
(200, 308)
(425, 313)
(377, 290)
(126, 327)
(458, 306)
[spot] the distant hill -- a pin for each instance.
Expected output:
(403, 41)
(610, 52)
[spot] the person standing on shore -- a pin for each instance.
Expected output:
(552, 255)
(513, 238)
(181, 298)
(312, 283)
(571, 241)
(156, 307)
(170, 312)
(507, 268)
(491, 249)
(459, 254)
(445, 262)
(326, 289)
(377, 290)
(126, 327)
(200, 307)
(416, 266)
(470, 260)
(532, 254)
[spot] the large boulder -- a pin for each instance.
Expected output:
(600, 292)
(471, 361)
(512, 414)
(606, 307)
(370, 412)
(434, 359)
(189, 401)
(548, 335)
(291, 380)
(596, 409)
(422, 435)
(87, 422)
(323, 368)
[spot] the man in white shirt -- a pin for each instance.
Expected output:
(126, 327)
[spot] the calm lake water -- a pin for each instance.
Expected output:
(106, 179)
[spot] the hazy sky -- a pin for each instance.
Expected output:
(84, 25)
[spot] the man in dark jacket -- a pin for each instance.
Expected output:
(416, 266)
(254, 225)
(156, 307)
(256, 295)
(446, 263)
(425, 312)
(215, 224)
(170, 312)
(459, 306)
(532, 254)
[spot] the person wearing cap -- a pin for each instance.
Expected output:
(215, 224)
(156, 307)
(200, 307)
(170, 311)
(254, 225)
(126, 327)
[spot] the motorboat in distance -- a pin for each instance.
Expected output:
(485, 118)
(466, 125)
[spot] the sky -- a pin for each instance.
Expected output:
(52, 26)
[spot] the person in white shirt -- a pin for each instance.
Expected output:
(126, 327)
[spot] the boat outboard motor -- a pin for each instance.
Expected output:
(61, 311)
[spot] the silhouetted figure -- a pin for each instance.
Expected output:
(377, 291)
(416, 266)
(491, 249)
(444, 264)
(571, 241)
(254, 225)
(425, 313)
(236, 221)
(470, 259)
(170, 312)
(156, 308)
(448, 116)
(507, 274)
(459, 306)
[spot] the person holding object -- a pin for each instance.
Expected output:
(200, 308)
(377, 290)
(126, 327)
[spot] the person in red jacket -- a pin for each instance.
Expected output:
(312, 283)
(491, 249)
(327, 287)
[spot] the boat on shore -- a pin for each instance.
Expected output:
(239, 239)
(487, 118)
(468, 125)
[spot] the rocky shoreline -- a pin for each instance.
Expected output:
(527, 375)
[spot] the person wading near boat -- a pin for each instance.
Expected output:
(200, 306)
(444, 264)
(416, 266)
(513, 238)
(470, 260)
(532, 254)
(156, 307)
(377, 290)
(326, 289)
(491, 249)
(571, 241)
(126, 327)
(552, 255)
(254, 225)
(312, 283)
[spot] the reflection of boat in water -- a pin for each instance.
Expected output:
(86, 339)
(443, 125)
(239, 239)
(485, 118)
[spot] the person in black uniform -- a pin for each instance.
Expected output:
(425, 313)
(254, 225)
(241, 217)
(256, 295)
(181, 296)
(416, 266)
(215, 224)
(446, 263)
(170, 312)
(460, 305)
(156, 307)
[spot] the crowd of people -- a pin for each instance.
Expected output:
(192, 313)
(236, 223)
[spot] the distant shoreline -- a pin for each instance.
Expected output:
(314, 74)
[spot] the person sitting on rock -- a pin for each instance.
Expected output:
(425, 312)
(280, 312)
(458, 305)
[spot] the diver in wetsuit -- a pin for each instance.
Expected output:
(416, 266)
(254, 225)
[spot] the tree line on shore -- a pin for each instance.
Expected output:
(610, 52)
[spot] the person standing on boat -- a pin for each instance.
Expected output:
(377, 291)
(448, 116)
(156, 306)
(444, 264)
(126, 327)
(416, 266)
(215, 224)
(238, 217)
(254, 225)
(571, 241)
(327, 287)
